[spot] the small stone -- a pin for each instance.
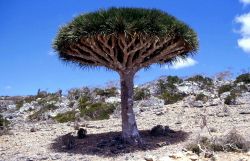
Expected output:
(161, 144)
(194, 158)
(157, 130)
(33, 129)
(56, 157)
(243, 159)
(159, 113)
(248, 153)
(176, 155)
(149, 158)
(81, 133)
(165, 158)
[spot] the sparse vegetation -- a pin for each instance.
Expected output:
(230, 99)
(39, 115)
(170, 98)
(232, 142)
(19, 104)
(224, 88)
(3, 122)
(168, 84)
(201, 97)
(245, 78)
(205, 82)
(141, 93)
(97, 111)
(65, 117)
(109, 92)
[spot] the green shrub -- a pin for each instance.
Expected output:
(170, 98)
(83, 102)
(201, 97)
(65, 117)
(75, 94)
(205, 82)
(38, 115)
(174, 80)
(225, 88)
(109, 92)
(3, 122)
(141, 93)
(245, 78)
(19, 104)
(230, 99)
(97, 111)
(29, 99)
(164, 86)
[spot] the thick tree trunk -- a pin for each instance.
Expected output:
(130, 132)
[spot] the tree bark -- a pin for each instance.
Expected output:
(130, 133)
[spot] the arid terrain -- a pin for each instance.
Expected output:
(188, 122)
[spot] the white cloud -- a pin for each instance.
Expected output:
(183, 63)
(244, 41)
(245, 2)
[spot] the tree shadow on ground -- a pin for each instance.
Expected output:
(110, 143)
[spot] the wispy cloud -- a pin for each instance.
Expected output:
(245, 2)
(7, 87)
(51, 53)
(244, 41)
(182, 63)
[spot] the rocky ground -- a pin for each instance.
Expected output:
(44, 143)
(192, 109)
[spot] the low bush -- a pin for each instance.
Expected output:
(174, 80)
(19, 104)
(245, 78)
(97, 111)
(232, 142)
(224, 88)
(201, 97)
(205, 82)
(109, 92)
(65, 117)
(3, 122)
(230, 99)
(141, 93)
(170, 98)
(166, 86)
(39, 115)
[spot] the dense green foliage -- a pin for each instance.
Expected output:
(141, 93)
(150, 22)
(245, 78)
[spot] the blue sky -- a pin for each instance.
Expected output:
(28, 28)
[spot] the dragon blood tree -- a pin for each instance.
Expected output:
(125, 40)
